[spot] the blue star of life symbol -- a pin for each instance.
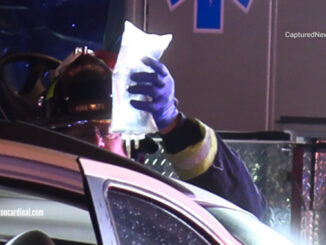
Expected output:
(209, 13)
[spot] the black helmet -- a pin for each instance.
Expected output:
(80, 91)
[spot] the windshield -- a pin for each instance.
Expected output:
(55, 28)
(246, 228)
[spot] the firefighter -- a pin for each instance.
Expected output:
(78, 103)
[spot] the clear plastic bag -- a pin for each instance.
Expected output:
(136, 44)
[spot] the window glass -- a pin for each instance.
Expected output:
(20, 212)
(246, 228)
(140, 221)
(55, 28)
(15, 72)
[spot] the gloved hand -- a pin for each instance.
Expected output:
(159, 85)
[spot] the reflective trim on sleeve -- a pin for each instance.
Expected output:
(50, 91)
(195, 160)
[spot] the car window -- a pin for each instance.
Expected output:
(246, 227)
(141, 221)
(21, 212)
(55, 28)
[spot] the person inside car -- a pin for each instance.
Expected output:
(78, 103)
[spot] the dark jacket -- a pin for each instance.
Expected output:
(200, 157)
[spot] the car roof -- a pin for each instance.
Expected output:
(28, 133)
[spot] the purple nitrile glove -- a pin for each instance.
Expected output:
(159, 85)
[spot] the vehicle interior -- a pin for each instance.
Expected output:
(37, 37)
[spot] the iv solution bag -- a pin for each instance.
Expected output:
(135, 45)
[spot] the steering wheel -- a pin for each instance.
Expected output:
(30, 238)
(22, 103)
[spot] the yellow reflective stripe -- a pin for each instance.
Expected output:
(204, 165)
(195, 160)
(191, 152)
